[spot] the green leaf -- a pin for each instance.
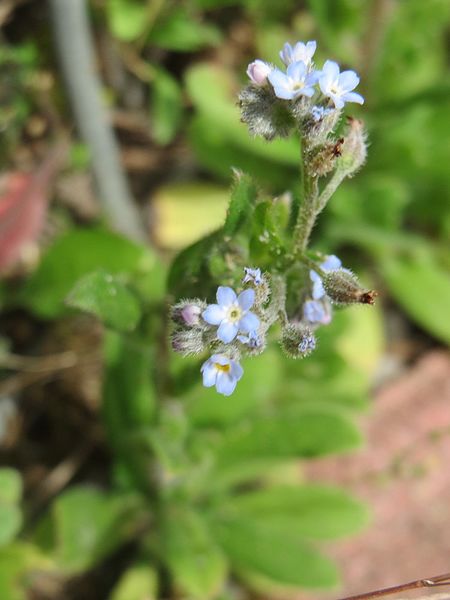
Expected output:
(422, 288)
(78, 253)
(129, 389)
(127, 18)
(101, 294)
(166, 107)
(10, 514)
(181, 31)
(196, 562)
(314, 512)
(10, 522)
(129, 405)
(189, 274)
(87, 525)
(242, 201)
(10, 486)
(17, 561)
(280, 557)
(139, 582)
(308, 432)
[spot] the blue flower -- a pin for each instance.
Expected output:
(294, 83)
(319, 112)
(300, 51)
(252, 339)
(307, 343)
(232, 313)
(317, 311)
(332, 263)
(252, 276)
(223, 372)
(338, 86)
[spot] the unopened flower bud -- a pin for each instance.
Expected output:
(354, 148)
(187, 341)
(342, 287)
(323, 161)
(298, 340)
(258, 71)
(188, 312)
(264, 114)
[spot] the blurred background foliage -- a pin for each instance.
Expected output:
(175, 488)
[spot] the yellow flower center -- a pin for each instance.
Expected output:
(235, 314)
(223, 368)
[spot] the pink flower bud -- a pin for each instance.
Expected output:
(191, 314)
(258, 72)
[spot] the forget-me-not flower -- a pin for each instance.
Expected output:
(223, 372)
(258, 71)
(252, 276)
(232, 313)
(300, 51)
(307, 343)
(338, 86)
(316, 311)
(294, 83)
(320, 112)
(332, 263)
(252, 340)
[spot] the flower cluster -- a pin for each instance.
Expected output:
(300, 78)
(298, 292)
(233, 326)
(237, 324)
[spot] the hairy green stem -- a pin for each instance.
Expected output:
(329, 190)
(306, 216)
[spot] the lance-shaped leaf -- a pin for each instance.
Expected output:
(240, 209)
(315, 512)
(85, 525)
(196, 562)
(280, 558)
(310, 431)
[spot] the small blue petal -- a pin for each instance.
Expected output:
(225, 384)
(313, 311)
(353, 97)
(277, 78)
(227, 332)
(213, 314)
(331, 263)
(348, 80)
(246, 299)
(249, 322)
(284, 93)
(297, 70)
(209, 373)
(225, 296)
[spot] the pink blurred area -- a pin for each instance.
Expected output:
(24, 199)
(403, 474)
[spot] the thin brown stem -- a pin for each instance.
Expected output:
(439, 580)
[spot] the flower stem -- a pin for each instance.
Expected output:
(307, 214)
(440, 580)
(329, 190)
